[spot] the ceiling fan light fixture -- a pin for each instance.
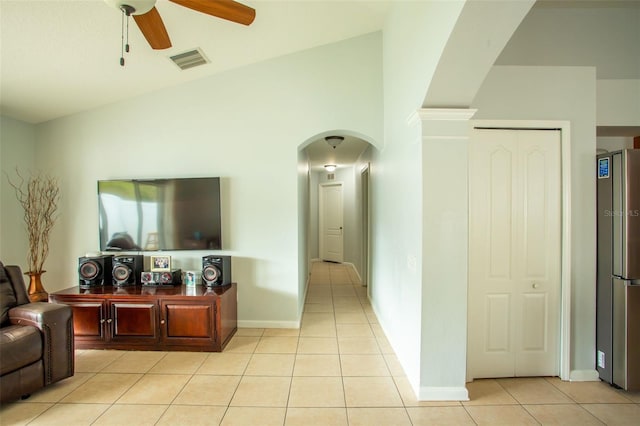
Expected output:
(137, 7)
(330, 167)
(334, 141)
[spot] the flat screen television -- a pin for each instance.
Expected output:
(160, 214)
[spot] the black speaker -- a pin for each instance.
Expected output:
(127, 269)
(95, 270)
(216, 270)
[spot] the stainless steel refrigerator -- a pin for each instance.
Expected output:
(618, 276)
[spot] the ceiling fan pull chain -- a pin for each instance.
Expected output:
(122, 39)
(126, 46)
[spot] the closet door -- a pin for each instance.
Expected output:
(514, 253)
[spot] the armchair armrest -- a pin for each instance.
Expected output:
(56, 324)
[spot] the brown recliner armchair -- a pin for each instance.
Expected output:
(36, 339)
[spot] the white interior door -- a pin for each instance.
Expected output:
(514, 253)
(331, 223)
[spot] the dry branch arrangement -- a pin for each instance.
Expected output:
(39, 196)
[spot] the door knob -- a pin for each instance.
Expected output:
(535, 285)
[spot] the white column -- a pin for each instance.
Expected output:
(445, 193)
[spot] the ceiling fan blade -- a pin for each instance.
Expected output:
(225, 9)
(153, 29)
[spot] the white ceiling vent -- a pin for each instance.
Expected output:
(190, 59)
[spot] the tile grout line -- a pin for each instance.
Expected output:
(335, 322)
(193, 374)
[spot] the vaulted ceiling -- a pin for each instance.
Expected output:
(60, 57)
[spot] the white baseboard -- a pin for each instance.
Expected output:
(268, 324)
(432, 393)
(355, 270)
(584, 376)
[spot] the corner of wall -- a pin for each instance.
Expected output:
(584, 376)
(430, 393)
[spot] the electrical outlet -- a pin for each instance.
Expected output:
(412, 263)
(601, 359)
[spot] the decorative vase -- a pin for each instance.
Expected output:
(37, 293)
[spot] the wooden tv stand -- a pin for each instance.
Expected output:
(152, 318)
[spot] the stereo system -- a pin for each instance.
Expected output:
(167, 278)
(216, 270)
(127, 270)
(95, 270)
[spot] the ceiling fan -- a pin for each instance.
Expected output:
(150, 23)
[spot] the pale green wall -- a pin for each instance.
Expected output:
(618, 101)
(414, 37)
(303, 229)
(17, 152)
(244, 125)
(605, 37)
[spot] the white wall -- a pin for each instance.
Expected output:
(245, 126)
(314, 219)
(614, 143)
(607, 38)
(618, 101)
(560, 93)
(406, 266)
(414, 37)
(604, 37)
(17, 153)
(481, 32)
(352, 235)
(303, 229)
(363, 162)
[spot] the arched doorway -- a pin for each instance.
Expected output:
(352, 155)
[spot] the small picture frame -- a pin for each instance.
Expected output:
(190, 278)
(160, 263)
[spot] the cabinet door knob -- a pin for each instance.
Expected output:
(161, 321)
(109, 320)
(535, 285)
(102, 321)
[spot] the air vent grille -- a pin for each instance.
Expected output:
(190, 59)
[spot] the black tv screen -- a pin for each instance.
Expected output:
(160, 214)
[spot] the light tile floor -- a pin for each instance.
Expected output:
(337, 369)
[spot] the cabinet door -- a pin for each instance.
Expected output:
(133, 321)
(88, 320)
(188, 321)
